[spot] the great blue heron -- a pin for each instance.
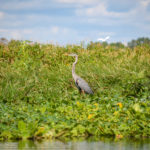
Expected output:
(80, 83)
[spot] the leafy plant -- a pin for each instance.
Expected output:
(38, 98)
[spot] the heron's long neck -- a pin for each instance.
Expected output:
(73, 66)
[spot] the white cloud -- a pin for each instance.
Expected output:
(54, 30)
(27, 31)
(55, 34)
(145, 3)
(21, 5)
(2, 15)
(16, 34)
(3, 31)
(81, 2)
(100, 10)
(46, 20)
(7, 33)
(100, 14)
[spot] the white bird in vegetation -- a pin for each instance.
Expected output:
(80, 83)
(103, 39)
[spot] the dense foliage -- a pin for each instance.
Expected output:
(38, 98)
(143, 41)
(138, 42)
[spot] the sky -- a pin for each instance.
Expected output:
(73, 21)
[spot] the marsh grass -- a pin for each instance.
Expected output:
(39, 99)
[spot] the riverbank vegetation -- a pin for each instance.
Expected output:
(38, 98)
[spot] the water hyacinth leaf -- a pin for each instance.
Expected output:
(74, 132)
(42, 109)
(23, 130)
(137, 108)
(22, 126)
(6, 135)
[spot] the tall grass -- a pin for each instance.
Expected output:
(37, 92)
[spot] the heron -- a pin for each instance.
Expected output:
(80, 83)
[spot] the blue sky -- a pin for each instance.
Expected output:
(73, 21)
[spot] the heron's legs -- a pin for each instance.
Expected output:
(82, 92)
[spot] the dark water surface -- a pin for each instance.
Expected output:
(103, 144)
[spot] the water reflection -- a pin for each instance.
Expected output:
(103, 144)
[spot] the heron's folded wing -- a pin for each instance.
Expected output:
(83, 85)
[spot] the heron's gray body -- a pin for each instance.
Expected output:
(81, 84)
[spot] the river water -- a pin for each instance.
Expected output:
(103, 144)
